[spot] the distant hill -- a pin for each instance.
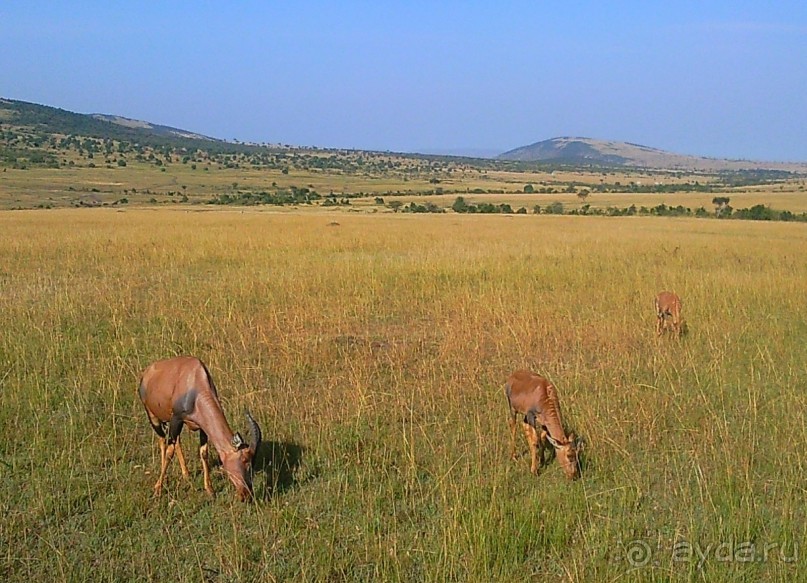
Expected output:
(43, 121)
(151, 128)
(589, 152)
(46, 120)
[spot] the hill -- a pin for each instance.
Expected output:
(590, 152)
(45, 124)
(154, 129)
(45, 121)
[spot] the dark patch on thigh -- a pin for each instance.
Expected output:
(141, 390)
(158, 427)
(185, 404)
(174, 428)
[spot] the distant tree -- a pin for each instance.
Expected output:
(460, 206)
(721, 200)
(529, 189)
(722, 208)
(505, 208)
(758, 212)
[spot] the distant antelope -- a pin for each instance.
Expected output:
(180, 391)
(535, 397)
(668, 313)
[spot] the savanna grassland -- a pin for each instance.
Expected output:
(373, 349)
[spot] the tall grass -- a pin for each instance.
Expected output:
(373, 352)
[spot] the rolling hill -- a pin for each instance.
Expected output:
(590, 152)
(159, 130)
(43, 121)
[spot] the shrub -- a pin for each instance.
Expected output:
(459, 206)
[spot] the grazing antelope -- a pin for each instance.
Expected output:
(535, 397)
(180, 391)
(668, 313)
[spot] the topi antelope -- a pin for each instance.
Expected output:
(535, 397)
(668, 313)
(180, 391)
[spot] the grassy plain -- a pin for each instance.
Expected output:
(795, 202)
(144, 184)
(373, 352)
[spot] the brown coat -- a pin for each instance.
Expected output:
(534, 397)
(179, 391)
(668, 312)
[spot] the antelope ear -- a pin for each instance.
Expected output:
(579, 443)
(238, 441)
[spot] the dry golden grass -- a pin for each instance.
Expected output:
(146, 184)
(373, 352)
(795, 202)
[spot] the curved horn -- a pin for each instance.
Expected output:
(555, 443)
(254, 433)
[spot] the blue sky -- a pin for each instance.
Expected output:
(712, 78)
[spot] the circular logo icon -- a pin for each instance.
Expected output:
(638, 553)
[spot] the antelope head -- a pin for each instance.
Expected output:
(567, 454)
(238, 463)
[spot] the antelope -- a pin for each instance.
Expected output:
(536, 398)
(180, 391)
(668, 313)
